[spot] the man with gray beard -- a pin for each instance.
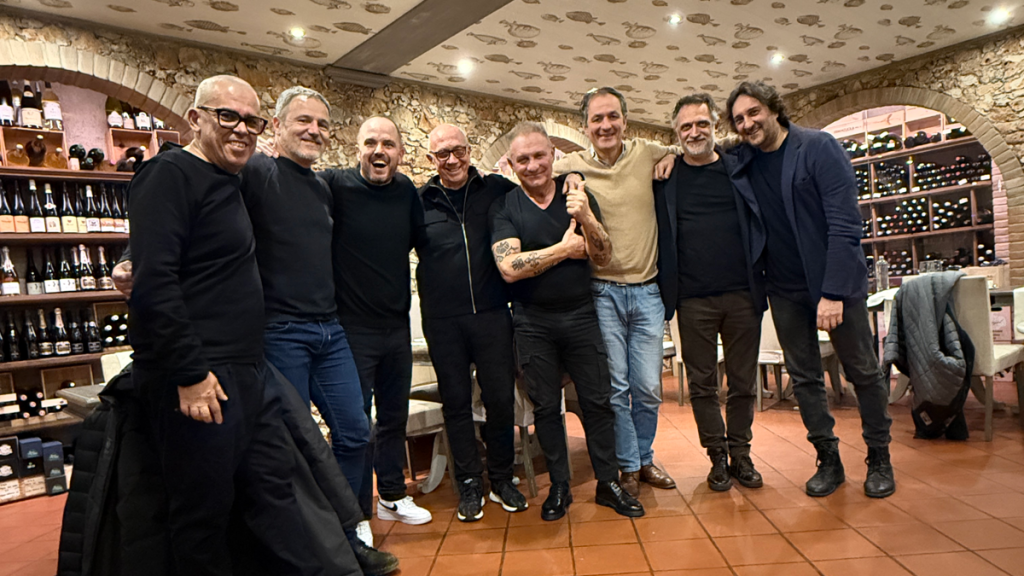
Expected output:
(705, 220)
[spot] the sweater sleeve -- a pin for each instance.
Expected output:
(163, 212)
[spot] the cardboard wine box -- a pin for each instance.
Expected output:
(56, 485)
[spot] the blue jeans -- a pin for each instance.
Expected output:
(315, 357)
(632, 320)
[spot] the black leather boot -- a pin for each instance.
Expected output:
(612, 495)
(742, 469)
(557, 503)
(373, 562)
(830, 472)
(880, 481)
(719, 479)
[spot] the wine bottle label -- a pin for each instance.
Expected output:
(46, 348)
(69, 224)
(31, 117)
(51, 111)
(92, 225)
(7, 114)
(74, 164)
(37, 224)
(63, 348)
(127, 227)
(95, 346)
(114, 120)
(68, 285)
(105, 283)
(34, 288)
(106, 224)
(21, 225)
(142, 121)
(52, 225)
(77, 348)
(51, 286)
(88, 283)
(10, 288)
(118, 224)
(83, 225)
(7, 223)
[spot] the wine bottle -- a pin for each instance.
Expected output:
(30, 343)
(10, 285)
(12, 340)
(36, 220)
(68, 282)
(3, 348)
(31, 113)
(102, 272)
(81, 222)
(68, 218)
(127, 121)
(76, 269)
(35, 149)
(93, 340)
(75, 335)
(45, 341)
(52, 117)
(33, 281)
(56, 159)
(6, 110)
(86, 276)
(92, 218)
(142, 120)
(21, 224)
(17, 156)
(124, 208)
(51, 281)
(115, 211)
(114, 119)
(6, 216)
(106, 218)
(61, 342)
(51, 217)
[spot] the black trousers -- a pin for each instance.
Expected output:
(550, 344)
(247, 463)
(796, 325)
(456, 344)
(701, 320)
(383, 357)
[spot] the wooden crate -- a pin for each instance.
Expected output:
(54, 378)
(14, 135)
(6, 383)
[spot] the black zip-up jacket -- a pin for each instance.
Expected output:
(456, 274)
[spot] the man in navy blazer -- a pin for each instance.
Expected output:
(815, 273)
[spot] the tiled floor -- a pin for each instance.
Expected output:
(959, 509)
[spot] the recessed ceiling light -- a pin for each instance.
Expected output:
(675, 19)
(297, 33)
(999, 16)
(465, 66)
(777, 58)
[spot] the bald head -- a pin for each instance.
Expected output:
(380, 150)
(215, 87)
(449, 151)
(448, 134)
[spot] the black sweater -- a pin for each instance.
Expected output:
(196, 297)
(456, 274)
(290, 208)
(373, 235)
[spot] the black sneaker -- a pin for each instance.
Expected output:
(471, 500)
(510, 498)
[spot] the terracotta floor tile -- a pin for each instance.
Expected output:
(804, 519)
(552, 562)
(762, 549)
(736, 524)
(1005, 505)
(941, 510)
(38, 568)
(603, 532)
(951, 564)
(768, 498)
(964, 484)
(611, 559)
(473, 542)
(551, 535)
(13, 568)
(439, 525)
(720, 502)
(801, 569)
(1017, 523)
(667, 529)
(412, 545)
(683, 555)
(882, 566)
(698, 572)
(415, 566)
(590, 512)
(903, 539)
(31, 552)
(1011, 560)
(665, 507)
(833, 545)
(467, 565)
(874, 513)
(983, 534)
(494, 517)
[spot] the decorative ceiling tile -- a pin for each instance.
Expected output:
(332, 27)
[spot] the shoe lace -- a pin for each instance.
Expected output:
(472, 490)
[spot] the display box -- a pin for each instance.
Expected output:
(53, 452)
(10, 491)
(29, 467)
(6, 385)
(30, 448)
(998, 276)
(33, 486)
(56, 485)
(9, 469)
(56, 378)
(9, 447)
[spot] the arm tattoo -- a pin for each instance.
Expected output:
(535, 261)
(504, 249)
(597, 241)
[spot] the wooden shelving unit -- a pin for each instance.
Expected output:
(51, 299)
(94, 238)
(58, 361)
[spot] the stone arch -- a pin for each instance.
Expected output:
(51, 62)
(980, 126)
(555, 130)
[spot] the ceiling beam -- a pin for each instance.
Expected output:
(417, 31)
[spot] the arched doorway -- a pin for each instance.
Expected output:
(564, 138)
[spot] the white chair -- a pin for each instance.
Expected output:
(974, 313)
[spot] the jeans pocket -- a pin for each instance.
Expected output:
(277, 326)
(598, 288)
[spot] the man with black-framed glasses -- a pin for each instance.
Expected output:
(466, 319)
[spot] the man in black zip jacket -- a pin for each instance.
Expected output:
(466, 319)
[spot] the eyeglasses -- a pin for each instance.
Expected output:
(228, 118)
(459, 152)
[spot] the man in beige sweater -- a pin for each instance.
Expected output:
(629, 306)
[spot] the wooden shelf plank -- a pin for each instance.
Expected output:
(89, 296)
(915, 150)
(50, 421)
(93, 238)
(896, 237)
(57, 361)
(54, 174)
(926, 193)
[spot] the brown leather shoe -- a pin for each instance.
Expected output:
(630, 482)
(656, 477)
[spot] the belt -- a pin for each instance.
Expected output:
(612, 283)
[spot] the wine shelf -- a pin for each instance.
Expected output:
(37, 238)
(924, 148)
(48, 422)
(57, 361)
(899, 197)
(54, 174)
(56, 298)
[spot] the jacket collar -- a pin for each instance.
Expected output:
(435, 187)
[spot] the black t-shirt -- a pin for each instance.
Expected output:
(566, 285)
(784, 270)
(290, 208)
(710, 252)
(196, 300)
(373, 235)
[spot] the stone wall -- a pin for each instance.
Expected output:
(415, 108)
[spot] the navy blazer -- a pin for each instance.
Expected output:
(666, 196)
(819, 191)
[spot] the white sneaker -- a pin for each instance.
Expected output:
(364, 533)
(404, 510)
